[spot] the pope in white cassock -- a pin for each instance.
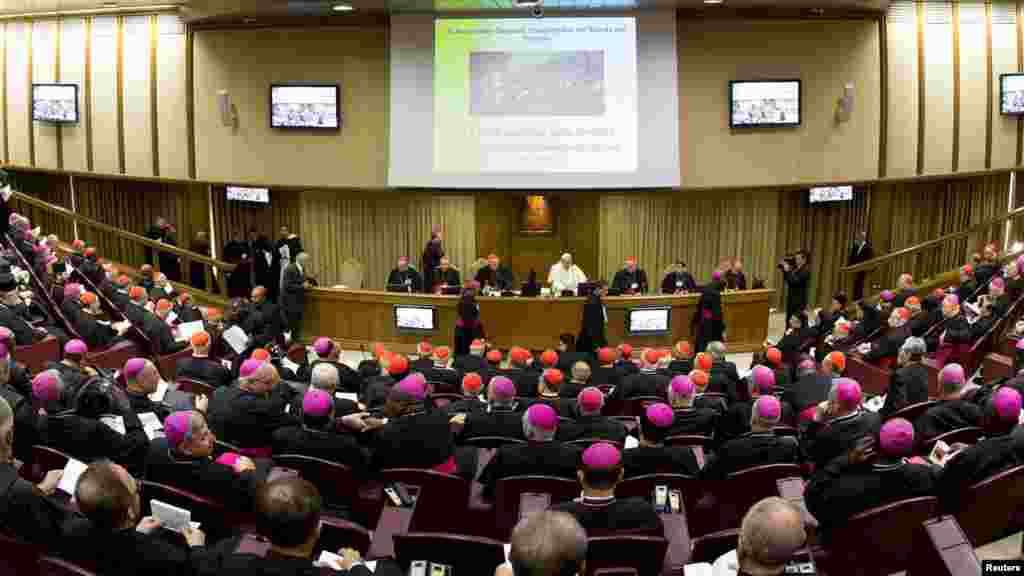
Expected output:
(565, 275)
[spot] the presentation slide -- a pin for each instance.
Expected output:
(1012, 94)
(765, 103)
(528, 95)
(414, 318)
(304, 107)
(648, 320)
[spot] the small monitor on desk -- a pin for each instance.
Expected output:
(649, 321)
(415, 318)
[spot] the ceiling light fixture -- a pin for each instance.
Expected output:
(342, 8)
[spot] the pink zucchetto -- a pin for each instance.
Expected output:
(764, 379)
(178, 428)
(768, 408)
(590, 399)
(75, 347)
(317, 403)
(542, 416)
(249, 367)
(133, 367)
(848, 393)
(46, 387)
(952, 373)
(413, 386)
(504, 388)
(601, 455)
(660, 415)
(681, 385)
(896, 437)
(1007, 403)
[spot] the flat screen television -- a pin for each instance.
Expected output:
(830, 194)
(415, 318)
(649, 320)
(243, 194)
(764, 103)
(55, 103)
(304, 106)
(1011, 94)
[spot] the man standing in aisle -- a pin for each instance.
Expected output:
(565, 276)
(293, 294)
(630, 280)
(798, 279)
(286, 251)
(861, 251)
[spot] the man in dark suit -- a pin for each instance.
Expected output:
(888, 346)
(838, 423)
(24, 333)
(810, 389)
(471, 402)
(200, 367)
(678, 280)
(724, 377)
(735, 279)
(597, 509)
(951, 412)
(293, 296)
(319, 436)
(500, 418)
(861, 251)
(541, 456)
(909, 384)
(445, 275)
(647, 382)
(604, 373)
(495, 275)
(736, 420)
(848, 484)
(689, 419)
(413, 437)
(579, 379)
(444, 378)
(652, 456)
(567, 354)
(798, 279)
(472, 362)
(97, 334)
(156, 328)
(921, 320)
(590, 423)
(682, 358)
(267, 320)
(406, 276)
(759, 447)
(261, 252)
(630, 280)
(248, 413)
(625, 364)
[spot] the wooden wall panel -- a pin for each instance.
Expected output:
(3, 90)
(938, 80)
(105, 143)
(44, 68)
(902, 111)
(72, 70)
(137, 107)
(1004, 60)
(171, 98)
(19, 129)
(973, 88)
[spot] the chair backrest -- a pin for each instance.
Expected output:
(584, 443)
(643, 487)
(35, 356)
(508, 494)
(19, 557)
(352, 273)
(786, 431)
(737, 493)
(44, 459)
(880, 540)
(616, 572)
(440, 400)
(114, 357)
(336, 482)
(492, 441)
(465, 554)
(912, 411)
(440, 497)
(194, 386)
(941, 549)
(966, 435)
(645, 554)
(689, 440)
(215, 520)
(992, 508)
(636, 405)
(51, 566)
(168, 364)
(336, 533)
(709, 547)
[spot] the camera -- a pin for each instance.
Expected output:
(537, 11)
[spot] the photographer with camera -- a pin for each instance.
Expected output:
(797, 278)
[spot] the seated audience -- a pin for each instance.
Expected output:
(773, 360)
(567, 354)
(796, 335)
(1014, 280)
(327, 351)
(646, 382)
(474, 361)
(115, 538)
(580, 377)
(547, 393)
(470, 403)
(904, 289)
(625, 364)
(759, 447)
(827, 320)
(413, 437)
(14, 314)
(704, 398)
(968, 286)
(605, 374)
(810, 389)
(96, 333)
(375, 393)
(838, 423)
(724, 377)
(589, 421)
(405, 276)
(137, 308)
(141, 380)
(955, 331)
(156, 328)
(25, 509)
(598, 510)
(689, 418)
(652, 456)
(909, 383)
(184, 458)
(541, 456)
(267, 318)
(546, 544)
(952, 411)
(500, 418)
(920, 320)
(318, 435)
(186, 309)
(771, 533)
(288, 515)
(737, 419)
(324, 377)
(888, 345)
(247, 413)
(523, 371)
(200, 366)
(72, 371)
(444, 378)
(682, 358)
(850, 484)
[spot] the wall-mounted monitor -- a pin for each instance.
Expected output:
(1011, 94)
(764, 103)
(55, 103)
(649, 321)
(243, 194)
(830, 194)
(415, 318)
(304, 106)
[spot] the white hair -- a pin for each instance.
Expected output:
(717, 350)
(324, 376)
(771, 532)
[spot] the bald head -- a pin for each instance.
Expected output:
(717, 350)
(548, 544)
(324, 377)
(289, 512)
(108, 496)
(771, 532)
(580, 372)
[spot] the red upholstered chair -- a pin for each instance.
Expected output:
(338, 485)
(709, 547)
(911, 412)
(441, 400)
(492, 441)
(194, 386)
(509, 492)
(992, 508)
(465, 554)
(336, 533)
(645, 554)
(636, 405)
(216, 521)
(689, 440)
(114, 357)
(941, 549)
(19, 557)
(879, 540)
(168, 365)
(724, 503)
(35, 356)
(441, 499)
(584, 443)
(51, 566)
(873, 379)
(967, 435)
(643, 487)
(44, 459)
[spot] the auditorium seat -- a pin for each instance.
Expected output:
(35, 356)
(643, 487)
(786, 431)
(690, 440)
(911, 412)
(114, 357)
(997, 365)
(616, 572)
(636, 405)
(966, 435)
(941, 549)
(465, 554)
(879, 540)
(584, 443)
(509, 496)
(51, 566)
(645, 554)
(44, 459)
(440, 498)
(874, 380)
(215, 520)
(19, 557)
(168, 365)
(337, 533)
(724, 503)
(194, 386)
(441, 400)
(492, 441)
(709, 547)
(338, 485)
(993, 508)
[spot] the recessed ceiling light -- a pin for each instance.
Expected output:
(712, 2)
(342, 8)
(109, 4)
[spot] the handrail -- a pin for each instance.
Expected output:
(194, 256)
(876, 262)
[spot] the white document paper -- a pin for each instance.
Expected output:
(226, 364)
(699, 569)
(171, 317)
(115, 423)
(267, 257)
(631, 442)
(186, 330)
(161, 391)
(236, 338)
(347, 396)
(875, 404)
(171, 517)
(287, 363)
(152, 425)
(168, 288)
(333, 561)
(72, 470)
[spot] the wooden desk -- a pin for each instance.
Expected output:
(360, 317)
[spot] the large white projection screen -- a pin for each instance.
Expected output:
(581, 102)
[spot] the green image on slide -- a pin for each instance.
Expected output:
(569, 83)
